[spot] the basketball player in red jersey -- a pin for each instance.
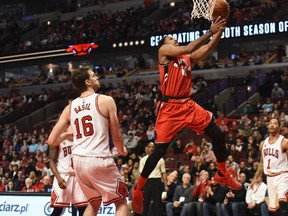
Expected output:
(176, 110)
(274, 163)
(92, 116)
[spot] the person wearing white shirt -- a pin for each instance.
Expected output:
(255, 196)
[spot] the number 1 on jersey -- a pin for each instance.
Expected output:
(268, 166)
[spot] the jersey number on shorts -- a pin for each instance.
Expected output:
(87, 126)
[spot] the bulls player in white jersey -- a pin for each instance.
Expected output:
(92, 116)
(65, 184)
(274, 163)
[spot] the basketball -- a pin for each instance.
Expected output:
(221, 8)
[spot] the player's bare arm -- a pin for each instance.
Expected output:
(108, 108)
(68, 135)
(53, 156)
(285, 146)
(60, 127)
(171, 48)
(216, 26)
(203, 51)
(259, 171)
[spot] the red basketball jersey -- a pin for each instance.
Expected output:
(176, 77)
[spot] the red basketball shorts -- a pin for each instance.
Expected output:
(175, 115)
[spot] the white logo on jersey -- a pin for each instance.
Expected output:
(165, 77)
(184, 66)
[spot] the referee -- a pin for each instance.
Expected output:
(153, 188)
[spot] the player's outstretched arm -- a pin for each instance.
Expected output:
(173, 51)
(203, 51)
(216, 26)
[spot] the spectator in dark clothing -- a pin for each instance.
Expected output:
(4, 163)
(212, 169)
(214, 198)
(30, 166)
(171, 184)
(243, 168)
(248, 109)
(13, 173)
(182, 197)
(234, 202)
(19, 183)
(281, 52)
(167, 196)
(178, 147)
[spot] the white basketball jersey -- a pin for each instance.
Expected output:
(90, 128)
(64, 162)
(274, 159)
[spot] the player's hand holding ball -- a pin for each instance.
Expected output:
(217, 25)
(222, 9)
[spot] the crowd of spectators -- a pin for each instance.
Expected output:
(101, 25)
(26, 152)
(17, 104)
(106, 26)
(17, 100)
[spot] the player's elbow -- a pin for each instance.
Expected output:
(52, 143)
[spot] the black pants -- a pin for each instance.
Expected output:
(256, 209)
(152, 191)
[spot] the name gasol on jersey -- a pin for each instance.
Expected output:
(82, 107)
(271, 152)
